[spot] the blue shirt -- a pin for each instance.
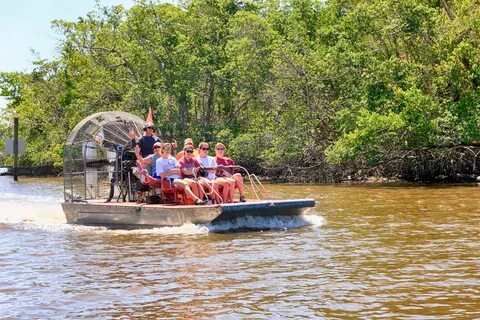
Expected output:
(146, 144)
(153, 166)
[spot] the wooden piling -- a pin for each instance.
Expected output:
(15, 149)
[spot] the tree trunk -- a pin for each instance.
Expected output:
(210, 102)
(183, 113)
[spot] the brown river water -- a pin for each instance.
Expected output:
(364, 252)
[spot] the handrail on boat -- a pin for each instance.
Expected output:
(255, 183)
(256, 186)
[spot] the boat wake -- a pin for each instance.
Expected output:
(38, 220)
(22, 212)
(35, 210)
(266, 223)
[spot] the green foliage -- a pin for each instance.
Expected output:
(374, 132)
(274, 80)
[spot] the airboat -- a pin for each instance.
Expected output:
(99, 183)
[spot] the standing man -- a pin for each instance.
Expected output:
(145, 143)
(143, 149)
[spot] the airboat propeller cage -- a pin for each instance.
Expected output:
(115, 125)
(93, 150)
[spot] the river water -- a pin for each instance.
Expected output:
(365, 252)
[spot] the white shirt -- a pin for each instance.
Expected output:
(165, 165)
(208, 162)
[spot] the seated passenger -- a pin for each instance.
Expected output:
(221, 161)
(189, 168)
(168, 169)
(148, 163)
(214, 185)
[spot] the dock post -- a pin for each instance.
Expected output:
(15, 148)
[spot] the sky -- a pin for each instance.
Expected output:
(25, 25)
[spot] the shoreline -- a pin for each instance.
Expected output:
(35, 171)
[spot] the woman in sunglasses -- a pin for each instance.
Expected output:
(222, 161)
(212, 184)
(189, 168)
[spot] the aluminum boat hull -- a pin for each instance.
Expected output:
(132, 215)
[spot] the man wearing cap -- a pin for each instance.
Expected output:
(145, 143)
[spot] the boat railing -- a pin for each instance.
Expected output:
(255, 186)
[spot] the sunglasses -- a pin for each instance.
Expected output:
(188, 151)
(150, 127)
(205, 149)
(157, 147)
(220, 149)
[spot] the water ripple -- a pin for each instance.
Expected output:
(374, 252)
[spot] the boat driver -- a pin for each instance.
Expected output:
(145, 143)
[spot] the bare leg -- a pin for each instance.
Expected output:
(218, 198)
(209, 187)
(201, 191)
(232, 192)
(221, 187)
(182, 184)
(195, 188)
(239, 184)
(227, 188)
